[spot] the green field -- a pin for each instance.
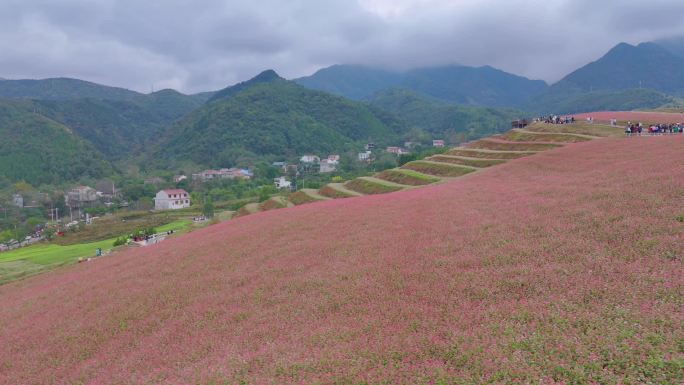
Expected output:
(38, 258)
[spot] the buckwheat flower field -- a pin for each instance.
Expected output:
(560, 268)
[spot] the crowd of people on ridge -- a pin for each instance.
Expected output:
(654, 129)
(555, 119)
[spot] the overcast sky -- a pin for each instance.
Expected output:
(200, 45)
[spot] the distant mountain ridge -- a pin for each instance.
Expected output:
(116, 121)
(270, 117)
(62, 89)
(626, 77)
(333, 110)
(625, 66)
(481, 86)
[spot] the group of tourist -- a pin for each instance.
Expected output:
(654, 129)
(555, 119)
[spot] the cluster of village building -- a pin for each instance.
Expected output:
(81, 197)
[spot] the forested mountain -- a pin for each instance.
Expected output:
(481, 86)
(627, 77)
(119, 128)
(646, 65)
(271, 117)
(116, 121)
(39, 150)
(571, 101)
(675, 45)
(62, 89)
(443, 119)
(60, 129)
(351, 81)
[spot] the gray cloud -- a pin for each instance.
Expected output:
(204, 45)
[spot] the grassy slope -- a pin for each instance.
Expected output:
(45, 256)
(532, 280)
(511, 146)
(519, 136)
(475, 153)
(438, 169)
(365, 186)
(473, 162)
(407, 177)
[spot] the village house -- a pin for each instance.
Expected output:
(79, 198)
(106, 189)
(395, 150)
(438, 143)
(179, 178)
(334, 158)
(365, 156)
(282, 183)
(309, 159)
(327, 165)
(370, 146)
(224, 173)
(206, 175)
(18, 200)
(171, 199)
(522, 123)
(280, 165)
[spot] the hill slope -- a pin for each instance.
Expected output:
(440, 118)
(62, 89)
(625, 67)
(120, 128)
(39, 150)
(272, 117)
(116, 121)
(442, 284)
(627, 77)
(482, 86)
(570, 101)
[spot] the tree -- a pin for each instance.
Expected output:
(208, 208)
(263, 170)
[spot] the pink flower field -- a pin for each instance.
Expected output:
(560, 268)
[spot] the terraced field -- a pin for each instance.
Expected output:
(465, 161)
(531, 136)
(369, 186)
(304, 196)
(407, 177)
(489, 154)
(470, 158)
(499, 144)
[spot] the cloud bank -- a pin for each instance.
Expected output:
(205, 45)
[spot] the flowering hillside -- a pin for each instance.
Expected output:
(564, 267)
